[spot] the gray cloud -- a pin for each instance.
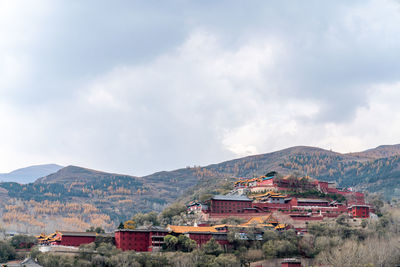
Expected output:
(137, 87)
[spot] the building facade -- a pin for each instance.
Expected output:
(359, 211)
(229, 204)
(140, 240)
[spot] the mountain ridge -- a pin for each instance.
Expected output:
(81, 197)
(30, 174)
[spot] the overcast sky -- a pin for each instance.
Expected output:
(142, 86)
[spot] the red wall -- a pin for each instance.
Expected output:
(229, 206)
(138, 240)
(266, 182)
(360, 212)
(321, 204)
(271, 206)
(200, 238)
(76, 241)
(291, 264)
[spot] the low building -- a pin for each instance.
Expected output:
(291, 263)
(200, 234)
(66, 238)
(230, 204)
(141, 240)
(311, 202)
(359, 211)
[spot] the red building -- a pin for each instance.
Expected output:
(229, 204)
(75, 238)
(200, 234)
(312, 202)
(359, 211)
(291, 263)
(140, 240)
(202, 238)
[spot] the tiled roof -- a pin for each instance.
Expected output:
(144, 229)
(67, 233)
(311, 200)
(361, 206)
(231, 197)
(260, 220)
(185, 229)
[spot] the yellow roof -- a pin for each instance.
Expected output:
(220, 225)
(184, 229)
(260, 220)
(280, 226)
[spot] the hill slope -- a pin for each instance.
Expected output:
(29, 174)
(74, 198)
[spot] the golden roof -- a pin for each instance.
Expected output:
(260, 220)
(280, 226)
(184, 229)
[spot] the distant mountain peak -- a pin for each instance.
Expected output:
(75, 173)
(30, 174)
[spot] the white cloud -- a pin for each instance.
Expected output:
(20, 25)
(375, 124)
(98, 96)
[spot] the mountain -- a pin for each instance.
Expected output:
(29, 174)
(75, 198)
(379, 152)
(71, 174)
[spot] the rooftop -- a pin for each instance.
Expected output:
(313, 200)
(361, 206)
(144, 229)
(67, 233)
(231, 197)
(185, 229)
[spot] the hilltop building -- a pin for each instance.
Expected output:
(267, 194)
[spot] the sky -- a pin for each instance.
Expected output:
(137, 87)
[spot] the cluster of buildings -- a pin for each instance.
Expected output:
(267, 194)
(141, 240)
(263, 203)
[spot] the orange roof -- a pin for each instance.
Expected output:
(280, 226)
(184, 229)
(260, 220)
(220, 225)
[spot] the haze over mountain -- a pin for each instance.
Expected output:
(29, 174)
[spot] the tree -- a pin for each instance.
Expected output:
(342, 219)
(23, 241)
(270, 235)
(171, 211)
(212, 247)
(227, 260)
(7, 252)
(170, 242)
(205, 197)
(269, 249)
(232, 220)
(186, 244)
(285, 248)
(98, 230)
(121, 225)
(125, 259)
(130, 224)
(106, 249)
(150, 218)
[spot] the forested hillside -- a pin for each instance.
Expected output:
(75, 198)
